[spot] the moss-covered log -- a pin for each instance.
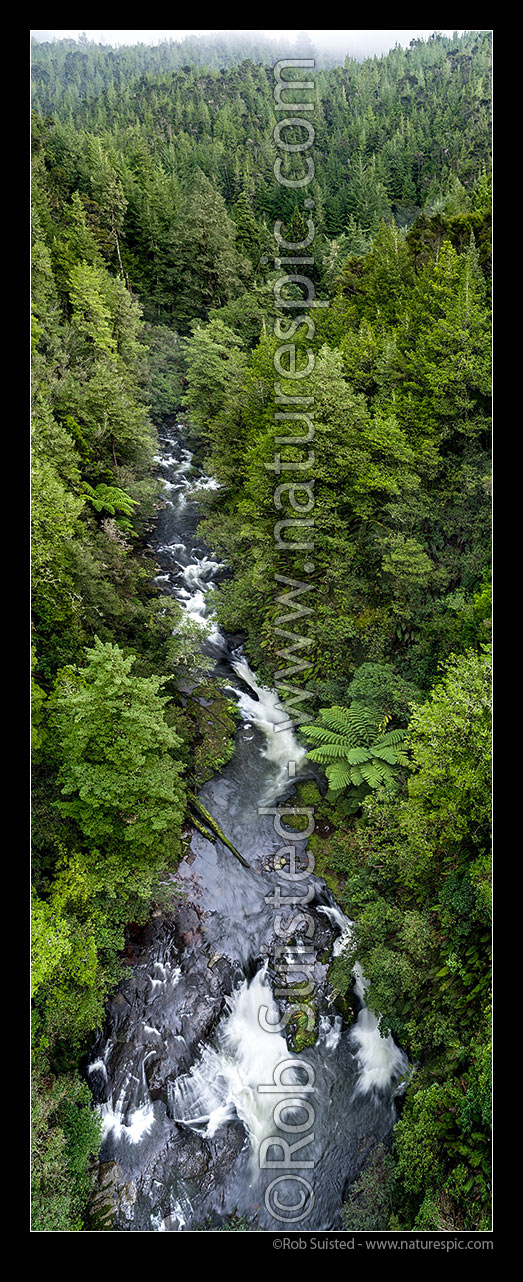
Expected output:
(215, 827)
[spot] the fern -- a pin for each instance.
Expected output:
(386, 754)
(349, 742)
(108, 498)
(329, 750)
(323, 735)
(371, 775)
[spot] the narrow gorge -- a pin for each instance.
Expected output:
(177, 1069)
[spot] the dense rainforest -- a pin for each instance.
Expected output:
(154, 265)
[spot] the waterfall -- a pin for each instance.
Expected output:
(381, 1062)
(192, 571)
(329, 1032)
(120, 1118)
(343, 923)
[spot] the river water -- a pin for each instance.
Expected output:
(195, 1029)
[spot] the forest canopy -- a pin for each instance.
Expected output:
(153, 269)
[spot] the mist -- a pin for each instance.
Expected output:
(330, 42)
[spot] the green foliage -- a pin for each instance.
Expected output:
(379, 686)
(236, 1224)
(354, 748)
(37, 702)
(216, 370)
(153, 191)
(117, 756)
(368, 1205)
(164, 370)
(448, 812)
(66, 1136)
(416, 883)
(108, 498)
(207, 270)
(49, 940)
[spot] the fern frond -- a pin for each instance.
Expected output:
(336, 718)
(363, 717)
(356, 756)
(323, 735)
(372, 775)
(385, 754)
(348, 742)
(339, 776)
(327, 750)
(387, 773)
(392, 737)
(356, 724)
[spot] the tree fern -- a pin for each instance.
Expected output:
(108, 498)
(349, 742)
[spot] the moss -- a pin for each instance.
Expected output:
(322, 848)
(216, 727)
(295, 822)
(344, 1008)
(308, 794)
(299, 1032)
(299, 1035)
(323, 842)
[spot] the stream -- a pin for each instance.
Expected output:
(196, 1027)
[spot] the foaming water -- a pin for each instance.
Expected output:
(343, 923)
(380, 1060)
(191, 570)
(138, 1123)
(191, 1144)
(329, 1032)
(267, 713)
(224, 1083)
(132, 1115)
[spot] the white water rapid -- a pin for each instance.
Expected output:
(381, 1062)
(224, 1083)
(267, 713)
(177, 1069)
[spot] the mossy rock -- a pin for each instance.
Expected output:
(322, 851)
(299, 1035)
(216, 719)
(308, 794)
(344, 1007)
(297, 823)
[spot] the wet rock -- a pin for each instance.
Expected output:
(187, 924)
(127, 1199)
(102, 1205)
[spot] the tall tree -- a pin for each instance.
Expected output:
(119, 777)
(207, 270)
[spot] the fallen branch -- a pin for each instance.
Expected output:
(215, 827)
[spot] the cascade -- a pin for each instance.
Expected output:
(177, 1068)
